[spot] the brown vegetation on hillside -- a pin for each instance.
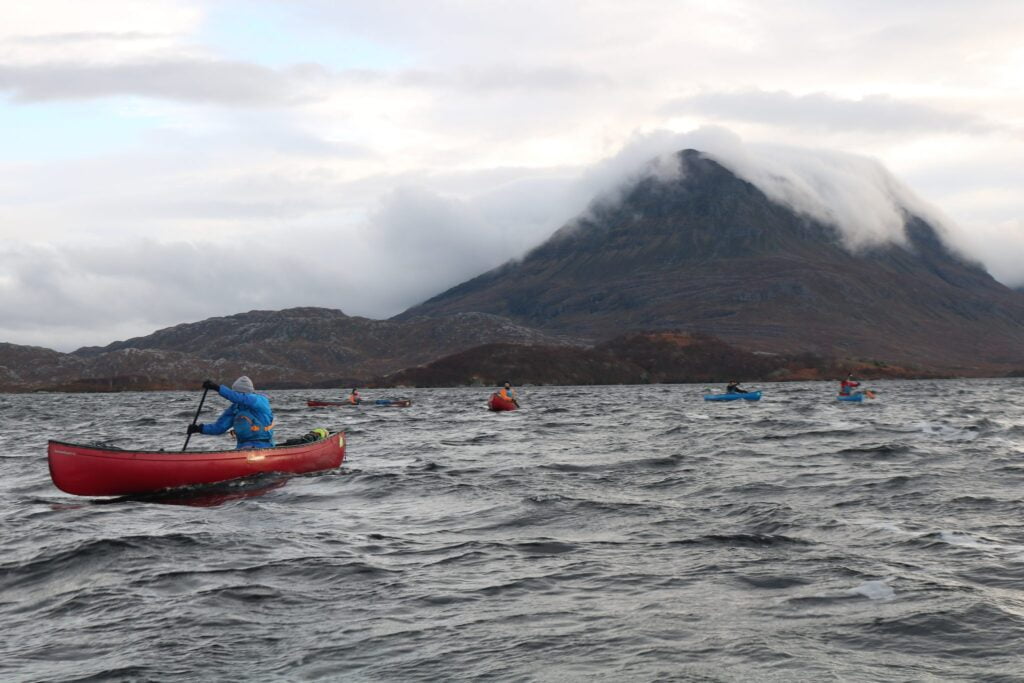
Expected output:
(639, 358)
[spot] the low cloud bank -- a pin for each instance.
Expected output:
(856, 194)
(419, 240)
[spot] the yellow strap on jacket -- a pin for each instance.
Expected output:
(255, 427)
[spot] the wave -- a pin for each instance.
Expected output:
(566, 543)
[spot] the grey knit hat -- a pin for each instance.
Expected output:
(243, 385)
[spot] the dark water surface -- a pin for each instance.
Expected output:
(613, 533)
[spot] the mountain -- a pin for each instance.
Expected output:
(708, 251)
(30, 368)
(320, 340)
(637, 358)
(293, 347)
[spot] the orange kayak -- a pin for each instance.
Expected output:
(498, 404)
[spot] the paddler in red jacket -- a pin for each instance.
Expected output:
(846, 385)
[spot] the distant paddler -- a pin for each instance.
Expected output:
(354, 398)
(508, 393)
(249, 415)
(848, 384)
(734, 387)
(503, 399)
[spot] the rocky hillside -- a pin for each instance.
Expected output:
(26, 368)
(294, 347)
(639, 358)
(710, 252)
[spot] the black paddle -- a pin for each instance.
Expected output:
(196, 418)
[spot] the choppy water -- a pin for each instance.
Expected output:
(615, 533)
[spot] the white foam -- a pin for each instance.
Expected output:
(966, 541)
(874, 590)
(963, 540)
(947, 432)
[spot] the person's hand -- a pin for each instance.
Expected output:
(211, 385)
(195, 429)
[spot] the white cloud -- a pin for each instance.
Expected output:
(1000, 246)
(200, 81)
(104, 30)
(821, 110)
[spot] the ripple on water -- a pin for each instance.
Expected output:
(649, 537)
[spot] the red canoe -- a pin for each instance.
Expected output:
(497, 404)
(96, 471)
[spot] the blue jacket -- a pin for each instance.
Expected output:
(250, 416)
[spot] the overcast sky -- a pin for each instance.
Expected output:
(166, 161)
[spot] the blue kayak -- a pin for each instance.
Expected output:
(856, 398)
(749, 396)
(393, 402)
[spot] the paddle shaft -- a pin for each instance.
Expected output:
(196, 418)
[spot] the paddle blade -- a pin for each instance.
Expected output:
(869, 394)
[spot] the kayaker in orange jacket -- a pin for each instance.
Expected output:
(508, 393)
(354, 398)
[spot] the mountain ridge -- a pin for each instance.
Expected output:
(710, 252)
(304, 346)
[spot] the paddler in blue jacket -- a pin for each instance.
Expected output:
(249, 415)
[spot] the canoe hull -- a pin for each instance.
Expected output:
(383, 403)
(94, 471)
(852, 398)
(749, 396)
(498, 404)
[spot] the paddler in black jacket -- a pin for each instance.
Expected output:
(735, 388)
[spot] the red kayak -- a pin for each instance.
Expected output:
(498, 404)
(383, 403)
(98, 471)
